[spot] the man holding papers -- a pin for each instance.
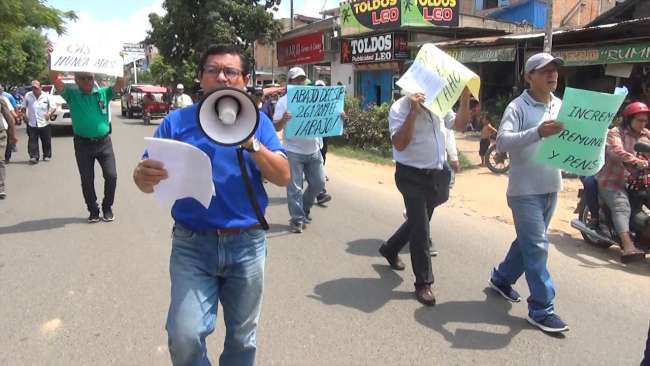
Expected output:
(532, 191)
(422, 176)
(218, 254)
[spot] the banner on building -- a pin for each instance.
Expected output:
(82, 56)
(301, 50)
(316, 111)
(377, 48)
(361, 16)
(580, 147)
(618, 54)
(490, 54)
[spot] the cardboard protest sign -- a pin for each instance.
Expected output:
(82, 56)
(580, 147)
(316, 111)
(455, 75)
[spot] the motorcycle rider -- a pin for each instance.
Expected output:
(620, 161)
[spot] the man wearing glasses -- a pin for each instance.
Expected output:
(89, 112)
(218, 254)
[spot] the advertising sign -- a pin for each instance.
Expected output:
(377, 48)
(301, 50)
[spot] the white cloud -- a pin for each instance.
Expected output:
(310, 8)
(131, 29)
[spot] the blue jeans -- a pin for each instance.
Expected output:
(529, 252)
(309, 167)
(206, 269)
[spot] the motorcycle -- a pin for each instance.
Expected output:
(497, 162)
(599, 231)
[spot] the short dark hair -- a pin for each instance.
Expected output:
(222, 49)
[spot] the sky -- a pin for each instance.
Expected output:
(126, 21)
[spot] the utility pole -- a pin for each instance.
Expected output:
(291, 12)
(548, 38)
(254, 67)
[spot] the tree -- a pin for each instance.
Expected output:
(23, 49)
(189, 27)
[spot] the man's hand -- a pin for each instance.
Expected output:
(13, 140)
(148, 174)
(416, 101)
(549, 128)
(287, 116)
(455, 165)
(344, 116)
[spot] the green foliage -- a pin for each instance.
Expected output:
(367, 129)
(23, 49)
(189, 27)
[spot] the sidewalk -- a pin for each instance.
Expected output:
(478, 192)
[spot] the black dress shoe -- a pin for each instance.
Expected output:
(393, 261)
(424, 294)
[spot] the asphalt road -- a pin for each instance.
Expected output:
(72, 293)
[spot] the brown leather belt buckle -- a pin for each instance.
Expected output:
(237, 230)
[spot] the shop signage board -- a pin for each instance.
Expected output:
(467, 55)
(618, 54)
(376, 48)
(362, 16)
(301, 50)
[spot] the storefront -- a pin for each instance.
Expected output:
(377, 60)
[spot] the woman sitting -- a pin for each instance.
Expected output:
(619, 156)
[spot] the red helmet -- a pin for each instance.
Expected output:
(635, 108)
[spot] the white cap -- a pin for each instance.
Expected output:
(320, 83)
(180, 86)
(296, 72)
(539, 60)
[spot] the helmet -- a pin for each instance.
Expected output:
(180, 86)
(635, 108)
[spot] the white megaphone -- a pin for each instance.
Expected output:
(228, 116)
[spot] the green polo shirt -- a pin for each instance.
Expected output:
(89, 112)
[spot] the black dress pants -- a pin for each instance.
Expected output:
(422, 190)
(86, 152)
(45, 135)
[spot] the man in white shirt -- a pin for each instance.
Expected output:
(422, 176)
(181, 100)
(305, 160)
(39, 106)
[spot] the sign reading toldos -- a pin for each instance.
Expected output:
(377, 48)
(360, 16)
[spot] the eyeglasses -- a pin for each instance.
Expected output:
(229, 72)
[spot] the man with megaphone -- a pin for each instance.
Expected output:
(218, 254)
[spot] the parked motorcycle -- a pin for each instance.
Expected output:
(599, 231)
(497, 162)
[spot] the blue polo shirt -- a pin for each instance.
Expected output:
(230, 207)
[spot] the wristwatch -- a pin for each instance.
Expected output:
(255, 146)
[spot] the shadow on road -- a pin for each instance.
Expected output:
(364, 294)
(40, 225)
(582, 251)
(493, 311)
(369, 247)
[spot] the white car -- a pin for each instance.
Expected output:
(61, 117)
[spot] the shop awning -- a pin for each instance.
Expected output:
(485, 54)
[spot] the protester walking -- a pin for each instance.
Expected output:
(7, 136)
(39, 106)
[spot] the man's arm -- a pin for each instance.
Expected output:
(119, 85)
(273, 166)
(463, 114)
(402, 138)
(11, 123)
(57, 80)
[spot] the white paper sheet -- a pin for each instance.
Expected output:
(189, 170)
(419, 79)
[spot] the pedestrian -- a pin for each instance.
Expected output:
(89, 111)
(323, 197)
(305, 162)
(10, 148)
(487, 131)
(181, 100)
(39, 106)
(218, 254)
(422, 176)
(7, 136)
(532, 191)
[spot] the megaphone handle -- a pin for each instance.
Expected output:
(249, 189)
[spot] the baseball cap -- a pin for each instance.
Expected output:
(180, 86)
(296, 72)
(320, 83)
(539, 60)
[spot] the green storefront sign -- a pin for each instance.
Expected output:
(620, 54)
(468, 55)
